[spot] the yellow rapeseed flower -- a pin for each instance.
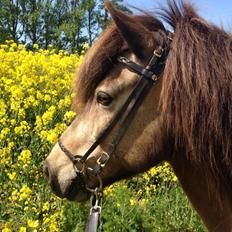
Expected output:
(32, 223)
(22, 229)
(25, 156)
(48, 115)
(24, 193)
(143, 202)
(46, 220)
(22, 128)
(132, 201)
(12, 176)
(69, 115)
(53, 227)
(46, 206)
(52, 136)
(14, 195)
(108, 190)
(35, 46)
(14, 45)
(4, 133)
(6, 229)
(3, 108)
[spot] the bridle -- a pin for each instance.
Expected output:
(149, 75)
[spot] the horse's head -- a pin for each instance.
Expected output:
(91, 152)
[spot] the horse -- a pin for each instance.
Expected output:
(148, 95)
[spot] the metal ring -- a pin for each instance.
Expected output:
(82, 171)
(97, 189)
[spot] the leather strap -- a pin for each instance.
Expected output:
(93, 221)
(147, 79)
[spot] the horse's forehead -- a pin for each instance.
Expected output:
(119, 77)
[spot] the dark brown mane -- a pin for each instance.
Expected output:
(196, 94)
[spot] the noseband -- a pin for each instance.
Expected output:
(149, 75)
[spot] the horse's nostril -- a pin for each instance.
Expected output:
(46, 170)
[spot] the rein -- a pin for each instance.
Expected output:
(149, 75)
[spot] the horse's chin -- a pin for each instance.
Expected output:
(77, 194)
(73, 190)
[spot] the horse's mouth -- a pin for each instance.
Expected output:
(73, 190)
(77, 191)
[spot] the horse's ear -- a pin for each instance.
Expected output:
(139, 39)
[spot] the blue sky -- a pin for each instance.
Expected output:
(217, 11)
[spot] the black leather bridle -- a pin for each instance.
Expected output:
(149, 75)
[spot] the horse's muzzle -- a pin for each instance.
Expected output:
(73, 189)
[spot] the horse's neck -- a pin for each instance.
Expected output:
(194, 182)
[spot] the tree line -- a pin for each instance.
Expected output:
(66, 24)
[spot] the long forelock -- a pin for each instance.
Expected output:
(102, 56)
(98, 60)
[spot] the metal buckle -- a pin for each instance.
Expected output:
(123, 59)
(102, 160)
(170, 36)
(158, 52)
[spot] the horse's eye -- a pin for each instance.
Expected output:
(104, 98)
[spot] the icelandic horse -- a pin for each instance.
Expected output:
(184, 119)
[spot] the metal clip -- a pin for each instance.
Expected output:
(97, 196)
(96, 207)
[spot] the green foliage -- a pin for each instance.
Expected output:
(9, 17)
(65, 24)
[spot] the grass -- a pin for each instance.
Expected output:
(166, 209)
